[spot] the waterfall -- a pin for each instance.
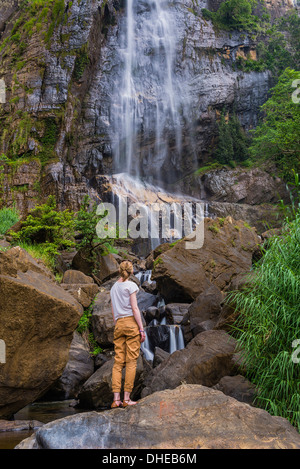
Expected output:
(173, 345)
(169, 337)
(149, 102)
(145, 347)
(144, 276)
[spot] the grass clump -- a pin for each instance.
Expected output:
(269, 324)
(8, 217)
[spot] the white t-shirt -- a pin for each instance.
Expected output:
(120, 298)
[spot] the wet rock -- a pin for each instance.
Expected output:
(182, 274)
(176, 312)
(19, 425)
(159, 356)
(166, 419)
(79, 368)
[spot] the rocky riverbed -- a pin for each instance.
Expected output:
(47, 315)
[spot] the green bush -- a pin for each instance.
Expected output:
(235, 15)
(47, 227)
(269, 323)
(8, 217)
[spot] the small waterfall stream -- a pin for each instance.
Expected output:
(168, 337)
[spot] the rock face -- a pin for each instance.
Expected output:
(182, 274)
(70, 80)
(188, 417)
(205, 360)
(38, 319)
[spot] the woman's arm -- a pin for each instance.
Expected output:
(112, 312)
(137, 315)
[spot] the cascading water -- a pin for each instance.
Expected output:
(169, 337)
(149, 103)
(144, 276)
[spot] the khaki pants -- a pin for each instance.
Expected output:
(127, 348)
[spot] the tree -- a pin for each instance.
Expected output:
(85, 223)
(277, 137)
(232, 141)
(235, 15)
(239, 139)
(224, 152)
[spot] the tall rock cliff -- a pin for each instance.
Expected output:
(60, 64)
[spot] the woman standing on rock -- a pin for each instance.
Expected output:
(128, 335)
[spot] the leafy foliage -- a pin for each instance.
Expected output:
(277, 137)
(86, 222)
(47, 226)
(232, 141)
(235, 15)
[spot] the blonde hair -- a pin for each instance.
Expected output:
(125, 269)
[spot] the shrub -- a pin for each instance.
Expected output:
(47, 226)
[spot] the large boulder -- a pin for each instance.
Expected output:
(102, 320)
(238, 387)
(38, 319)
(182, 274)
(97, 390)
(81, 286)
(188, 417)
(205, 360)
(204, 312)
(79, 368)
(102, 267)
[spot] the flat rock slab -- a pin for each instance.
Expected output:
(188, 417)
(19, 425)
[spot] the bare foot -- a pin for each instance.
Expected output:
(128, 402)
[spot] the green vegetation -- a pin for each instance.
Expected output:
(46, 231)
(236, 15)
(86, 221)
(232, 141)
(277, 49)
(277, 137)
(84, 328)
(40, 252)
(48, 228)
(269, 323)
(82, 60)
(8, 217)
